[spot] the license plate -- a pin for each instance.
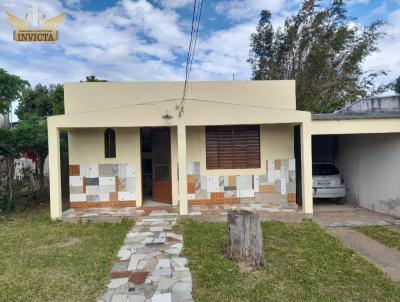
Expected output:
(324, 183)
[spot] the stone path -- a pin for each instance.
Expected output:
(384, 257)
(149, 267)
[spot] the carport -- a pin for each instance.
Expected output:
(366, 150)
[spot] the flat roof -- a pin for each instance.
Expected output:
(353, 116)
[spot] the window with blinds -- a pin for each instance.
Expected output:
(233, 147)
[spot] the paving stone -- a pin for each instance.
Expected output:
(120, 266)
(133, 263)
(181, 291)
(124, 254)
(136, 298)
(162, 298)
(115, 283)
(138, 277)
(119, 298)
(156, 229)
(165, 283)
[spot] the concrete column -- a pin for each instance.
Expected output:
(54, 171)
(306, 169)
(183, 204)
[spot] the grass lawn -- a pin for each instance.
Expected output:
(41, 260)
(383, 235)
(304, 264)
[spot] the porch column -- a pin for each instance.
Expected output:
(54, 171)
(183, 204)
(306, 169)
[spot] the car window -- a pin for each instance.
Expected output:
(324, 169)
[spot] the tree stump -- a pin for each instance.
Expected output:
(245, 243)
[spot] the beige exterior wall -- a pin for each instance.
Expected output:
(274, 94)
(86, 146)
(276, 142)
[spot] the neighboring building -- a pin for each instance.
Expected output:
(235, 142)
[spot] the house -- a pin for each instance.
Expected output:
(228, 142)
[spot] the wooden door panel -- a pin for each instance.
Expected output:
(161, 150)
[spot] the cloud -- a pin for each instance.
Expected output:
(175, 3)
(247, 9)
(388, 57)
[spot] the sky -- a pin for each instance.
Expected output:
(147, 40)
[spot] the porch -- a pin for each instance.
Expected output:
(184, 175)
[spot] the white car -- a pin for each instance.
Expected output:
(327, 181)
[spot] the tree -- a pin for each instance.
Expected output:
(11, 87)
(92, 78)
(397, 85)
(41, 101)
(31, 137)
(322, 49)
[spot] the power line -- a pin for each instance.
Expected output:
(196, 17)
(151, 103)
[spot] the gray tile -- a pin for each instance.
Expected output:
(262, 179)
(230, 193)
(202, 195)
(108, 170)
(196, 168)
(221, 181)
(230, 188)
(92, 181)
(76, 190)
(197, 179)
(92, 197)
(107, 189)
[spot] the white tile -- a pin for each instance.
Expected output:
(212, 183)
(271, 176)
(244, 182)
(292, 164)
(107, 181)
(130, 170)
(92, 190)
(104, 197)
(122, 170)
(271, 164)
(75, 181)
(126, 196)
(284, 172)
(246, 193)
(190, 168)
(83, 170)
(77, 197)
(191, 196)
(277, 174)
(107, 189)
(93, 171)
(256, 183)
(131, 184)
(283, 186)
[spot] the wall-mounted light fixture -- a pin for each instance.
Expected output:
(167, 116)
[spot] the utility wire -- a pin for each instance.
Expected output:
(196, 17)
(151, 103)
